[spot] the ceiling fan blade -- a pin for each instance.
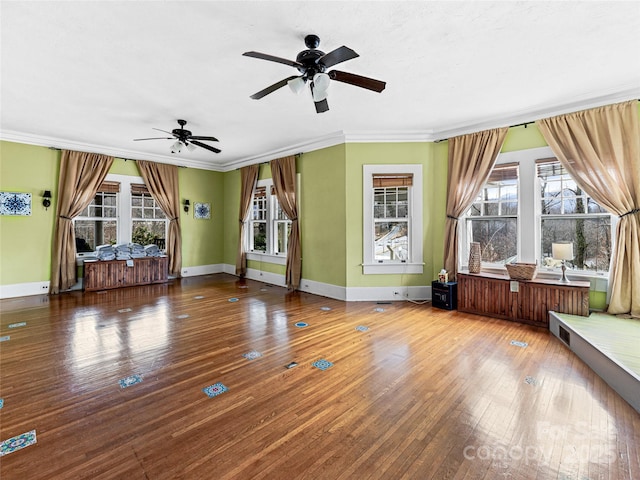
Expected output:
(339, 55)
(272, 88)
(164, 131)
(154, 138)
(322, 106)
(211, 139)
(272, 58)
(205, 146)
(358, 80)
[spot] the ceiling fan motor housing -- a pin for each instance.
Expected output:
(308, 59)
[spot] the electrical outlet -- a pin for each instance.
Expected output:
(45, 287)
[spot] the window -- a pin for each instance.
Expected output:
(492, 220)
(567, 213)
(269, 226)
(529, 202)
(122, 211)
(391, 217)
(148, 221)
(98, 223)
(392, 201)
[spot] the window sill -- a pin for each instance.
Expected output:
(552, 274)
(266, 258)
(391, 268)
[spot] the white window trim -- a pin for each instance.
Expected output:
(529, 213)
(269, 256)
(415, 264)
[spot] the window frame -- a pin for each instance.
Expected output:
(414, 264)
(143, 195)
(271, 253)
(464, 221)
(89, 218)
(569, 216)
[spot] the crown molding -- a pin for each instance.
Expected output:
(62, 144)
(329, 140)
(576, 104)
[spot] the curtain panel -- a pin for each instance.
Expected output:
(471, 158)
(600, 148)
(162, 182)
(81, 174)
(283, 171)
(248, 181)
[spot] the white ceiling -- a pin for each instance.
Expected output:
(94, 75)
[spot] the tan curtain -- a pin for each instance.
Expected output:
(600, 148)
(471, 158)
(162, 181)
(80, 176)
(283, 171)
(248, 179)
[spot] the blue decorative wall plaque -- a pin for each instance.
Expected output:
(202, 211)
(12, 203)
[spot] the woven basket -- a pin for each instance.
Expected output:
(521, 271)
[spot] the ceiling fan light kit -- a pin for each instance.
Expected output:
(312, 65)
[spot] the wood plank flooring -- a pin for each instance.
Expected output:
(422, 394)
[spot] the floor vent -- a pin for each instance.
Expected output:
(564, 335)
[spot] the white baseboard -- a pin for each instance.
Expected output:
(323, 289)
(202, 270)
(24, 289)
(388, 294)
(347, 294)
(266, 277)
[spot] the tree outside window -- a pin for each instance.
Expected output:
(492, 219)
(568, 214)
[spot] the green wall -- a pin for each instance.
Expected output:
(25, 242)
(330, 217)
(323, 215)
(202, 240)
(433, 169)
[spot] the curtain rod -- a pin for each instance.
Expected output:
(510, 126)
(114, 156)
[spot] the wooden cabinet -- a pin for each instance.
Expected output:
(520, 301)
(103, 275)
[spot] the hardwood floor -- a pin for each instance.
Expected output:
(422, 394)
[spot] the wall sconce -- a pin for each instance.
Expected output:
(562, 251)
(186, 206)
(46, 199)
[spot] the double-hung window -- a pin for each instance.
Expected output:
(492, 219)
(392, 214)
(148, 221)
(97, 224)
(268, 225)
(568, 214)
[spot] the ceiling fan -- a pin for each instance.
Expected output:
(185, 139)
(312, 64)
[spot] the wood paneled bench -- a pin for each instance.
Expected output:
(521, 301)
(103, 275)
